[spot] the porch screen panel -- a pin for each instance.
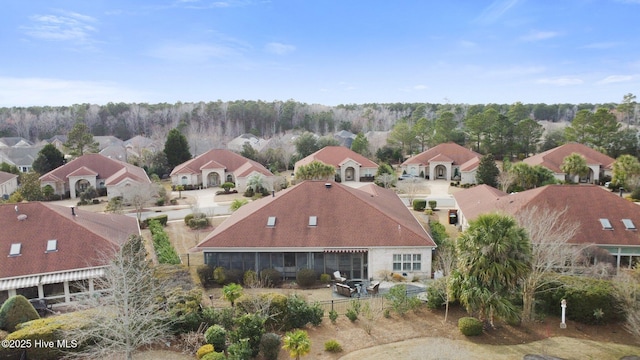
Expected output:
(264, 261)
(302, 261)
(330, 262)
(318, 263)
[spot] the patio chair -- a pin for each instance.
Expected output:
(339, 278)
(373, 288)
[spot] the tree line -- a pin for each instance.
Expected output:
(232, 118)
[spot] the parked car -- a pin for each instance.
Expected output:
(406, 177)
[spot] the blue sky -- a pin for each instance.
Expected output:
(63, 52)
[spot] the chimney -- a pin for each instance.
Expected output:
(73, 211)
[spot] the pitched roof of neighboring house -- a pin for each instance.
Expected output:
(586, 205)
(5, 176)
(82, 240)
(105, 141)
(14, 141)
(228, 160)
(336, 156)
(118, 152)
(96, 164)
(552, 159)
(139, 141)
(448, 152)
(22, 156)
(382, 221)
(255, 142)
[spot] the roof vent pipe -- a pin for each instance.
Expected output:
(73, 211)
(327, 185)
(273, 193)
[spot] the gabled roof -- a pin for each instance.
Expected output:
(347, 217)
(97, 164)
(228, 160)
(22, 156)
(586, 205)
(552, 159)
(453, 152)
(5, 176)
(336, 156)
(14, 141)
(82, 240)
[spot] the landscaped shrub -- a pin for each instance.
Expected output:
(214, 356)
(251, 327)
(274, 304)
(470, 326)
(419, 204)
(397, 297)
(219, 275)
(584, 296)
(332, 346)
(270, 277)
(228, 186)
(205, 274)
(333, 316)
(300, 313)
(250, 279)
(270, 344)
(433, 204)
(351, 314)
(165, 252)
(437, 293)
(234, 276)
(15, 310)
(188, 218)
(635, 194)
(397, 277)
(240, 350)
(216, 335)
(223, 317)
(162, 219)
(183, 308)
(199, 223)
(306, 277)
(204, 350)
(325, 278)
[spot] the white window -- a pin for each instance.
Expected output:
(15, 249)
(407, 262)
(52, 245)
(271, 221)
(313, 220)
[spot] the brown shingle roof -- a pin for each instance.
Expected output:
(5, 176)
(336, 156)
(227, 159)
(367, 217)
(552, 159)
(98, 164)
(444, 152)
(586, 204)
(83, 240)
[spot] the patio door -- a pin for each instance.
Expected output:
(356, 266)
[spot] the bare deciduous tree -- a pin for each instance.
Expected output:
(387, 180)
(138, 195)
(505, 179)
(627, 284)
(128, 315)
(549, 233)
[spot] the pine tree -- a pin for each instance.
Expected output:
(176, 148)
(488, 171)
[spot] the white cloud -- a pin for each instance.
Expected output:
(602, 45)
(57, 92)
(539, 35)
(515, 71)
(617, 79)
(279, 48)
(67, 26)
(561, 81)
(420, 87)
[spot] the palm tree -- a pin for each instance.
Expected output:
(232, 292)
(494, 255)
(575, 165)
(255, 182)
(297, 343)
(315, 170)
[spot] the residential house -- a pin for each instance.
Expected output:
(599, 164)
(217, 166)
(54, 252)
(255, 142)
(21, 157)
(448, 161)
(102, 173)
(606, 220)
(139, 144)
(349, 165)
(57, 140)
(8, 184)
(326, 226)
(345, 138)
(14, 142)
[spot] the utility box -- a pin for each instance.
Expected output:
(453, 216)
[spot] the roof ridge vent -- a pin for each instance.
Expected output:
(327, 185)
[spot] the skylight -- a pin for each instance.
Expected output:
(606, 224)
(271, 221)
(52, 245)
(15, 249)
(313, 221)
(628, 224)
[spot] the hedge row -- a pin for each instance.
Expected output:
(165, 252)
